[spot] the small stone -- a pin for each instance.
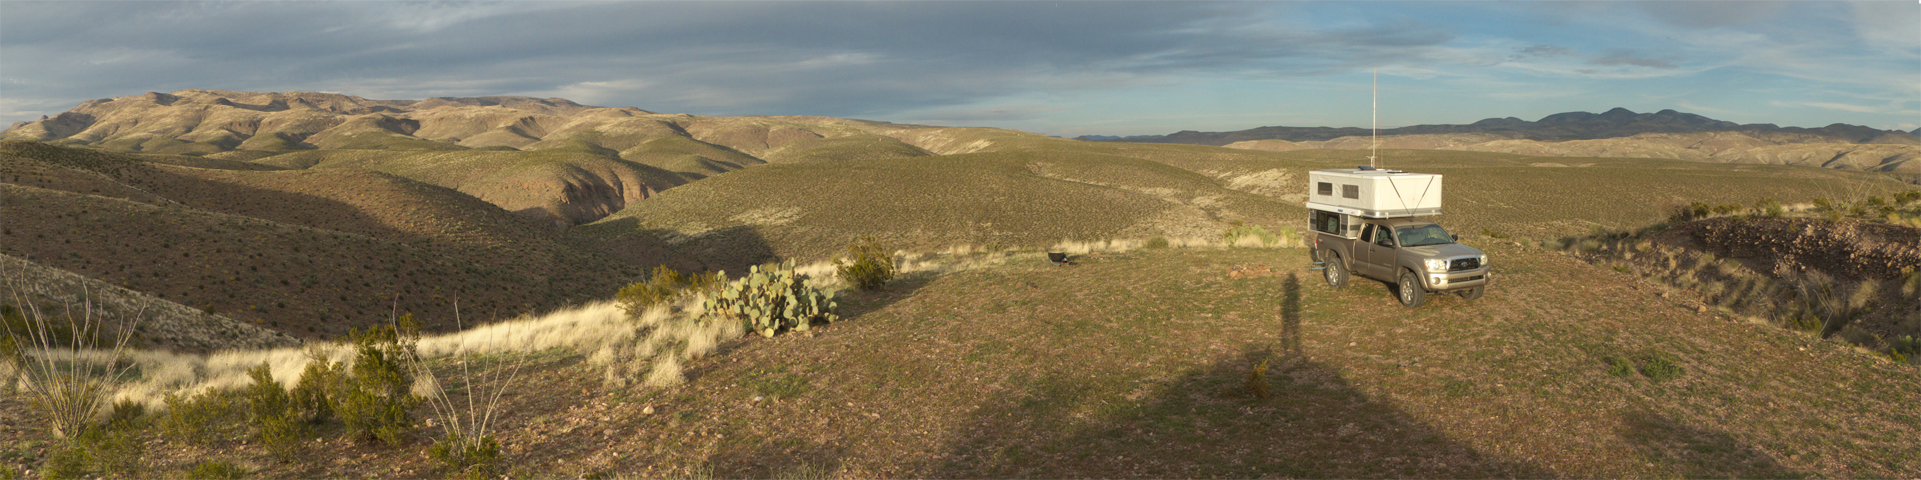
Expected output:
(647, 411)
(759, 398)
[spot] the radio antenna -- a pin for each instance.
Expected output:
(1374, 146)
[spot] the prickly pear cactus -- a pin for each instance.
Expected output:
(774, 299)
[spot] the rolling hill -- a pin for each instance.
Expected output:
(249, 221)
(1618, 133)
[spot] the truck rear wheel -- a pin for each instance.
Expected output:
(1335, 273)
(1472, 293)
(1411, 292)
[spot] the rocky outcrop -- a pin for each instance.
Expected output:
(1848, 249)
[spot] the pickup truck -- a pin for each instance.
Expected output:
(1417, 256)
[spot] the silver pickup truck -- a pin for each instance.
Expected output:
(1417, 256)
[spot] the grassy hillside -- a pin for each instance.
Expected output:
(810, 210)
(308, 252)
(559, 186)
(1138, 364)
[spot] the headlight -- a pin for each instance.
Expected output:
(1436, 265)
(1484, 260)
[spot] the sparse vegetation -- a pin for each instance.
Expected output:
(664, 287)
(1660, 368)
(867, 265)
(468, 447)
(773, 299)
(216, 470)
(275, 421)
(376, 396)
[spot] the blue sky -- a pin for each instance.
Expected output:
(1062, 68)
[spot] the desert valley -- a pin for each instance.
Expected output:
(1675, 297)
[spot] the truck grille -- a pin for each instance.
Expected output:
(1460, 264)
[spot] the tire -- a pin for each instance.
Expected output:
(1335, 274)
(1472, 293)
(1410, 290)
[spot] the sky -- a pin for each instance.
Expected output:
(1061, 68)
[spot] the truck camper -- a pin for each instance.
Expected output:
(1368, 222)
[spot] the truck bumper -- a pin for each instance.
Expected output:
(1461, 280)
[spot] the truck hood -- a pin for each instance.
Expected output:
(1445, 250)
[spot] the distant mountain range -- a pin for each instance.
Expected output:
(1616, 123)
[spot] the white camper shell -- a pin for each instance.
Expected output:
(1374, 193)
(1335, 194)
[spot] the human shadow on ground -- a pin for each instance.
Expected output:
(1209, 421)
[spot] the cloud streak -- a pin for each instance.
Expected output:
(1034, 65)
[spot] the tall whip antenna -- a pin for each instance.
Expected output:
(1373, 149)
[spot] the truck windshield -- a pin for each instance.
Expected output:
(1422, 235)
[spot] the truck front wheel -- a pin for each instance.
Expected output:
(1412, 294)
(1335, 273)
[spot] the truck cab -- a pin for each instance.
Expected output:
(1379, 236)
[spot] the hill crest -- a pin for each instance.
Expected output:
(1614, 123)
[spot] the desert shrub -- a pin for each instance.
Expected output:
(1157, 242)
(770, 300)
(1906, 349)
(660, 288)
(867, 265)
(196, 419)
(308, 398)
(216, 470)
(1619, 367)
(1769, 207)
(275, 422)
(374, 398)
(1257, 380)
(1239, 231)
(1904, 198)
(475, 459)
(468, 447)
(664, 287)
(67, 390)
(68, 462)
(1660, 369)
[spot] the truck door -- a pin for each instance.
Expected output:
(1378, 242)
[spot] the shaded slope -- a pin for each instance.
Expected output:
(158, 324)
(689, 158)
(310, 252)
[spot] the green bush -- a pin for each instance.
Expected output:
(68, 462)
(1769, 207)
(663, 287)
(867, 265)
(772, 300)
(475, 459)
(1904, 198)
(1660, 369)
(1157, 242)
(197, 419)
(1238, 231)
(374, 399)
(1619, 367)
(308, 399)
(274, 420)
(216, 470)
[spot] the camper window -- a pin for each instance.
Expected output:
(1351, 191)
(1326, 222)
(1327, 189)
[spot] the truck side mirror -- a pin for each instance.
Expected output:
(1457, 237)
